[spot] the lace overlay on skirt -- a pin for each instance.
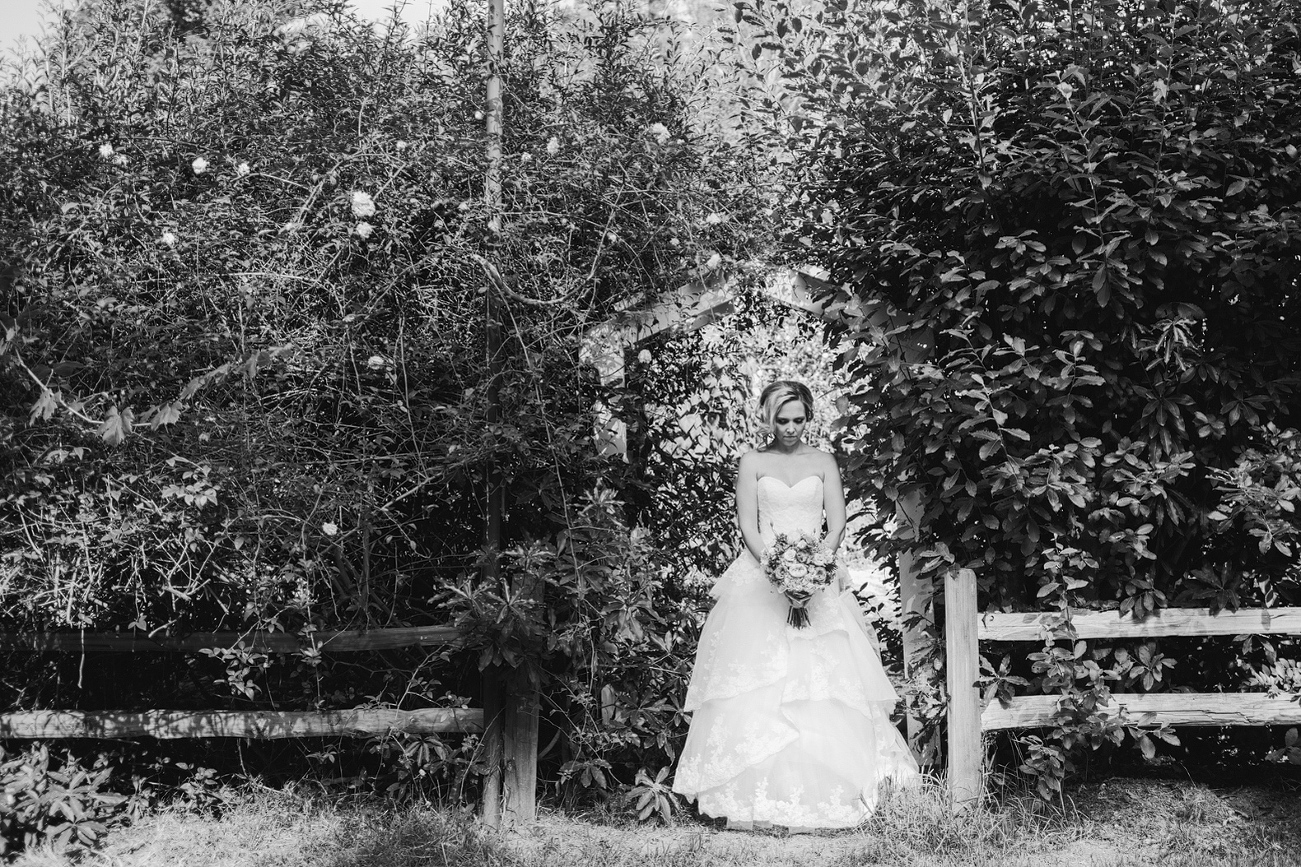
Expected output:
(789, 726)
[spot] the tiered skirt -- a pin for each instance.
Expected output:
(790, 727)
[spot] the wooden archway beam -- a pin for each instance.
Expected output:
(693, 306)
(688, 308)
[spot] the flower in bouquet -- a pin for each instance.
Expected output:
(799, 567)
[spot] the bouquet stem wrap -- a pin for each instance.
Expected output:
(797, 616)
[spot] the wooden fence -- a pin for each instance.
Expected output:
(509, 723)
(965, 627)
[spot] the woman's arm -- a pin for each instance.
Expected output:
(833, 503)
(747, 503)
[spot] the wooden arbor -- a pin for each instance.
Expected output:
(702, 301)
(687, 308)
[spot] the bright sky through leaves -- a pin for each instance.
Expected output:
(21, 19)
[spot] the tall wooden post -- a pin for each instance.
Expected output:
(962, 656)
(916, 596)
(494, 688)
(494, 706)
(916, 593)
(510, 699)
(495, 120)
(521, 758)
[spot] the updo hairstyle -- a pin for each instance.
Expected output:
(777, 395)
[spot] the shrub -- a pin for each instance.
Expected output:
(59, 804)
(245, 353)
(1064, 244)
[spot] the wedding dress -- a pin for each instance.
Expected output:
(790, 726)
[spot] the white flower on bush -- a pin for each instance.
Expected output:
(674, 242)
(713, 262)
(362, 205)
(526, 158)
(200, 165)
(478, 115)
(644, 356)
(364, 229)
(242, 170)
(105, 151)
(299, 33)
(714, 219)
(401, 145)
(696, 577)
(299, 26)
(660, 132)
(375, 362)
(1065, 90)
(553, 146)
(169, 239)
(330, 528)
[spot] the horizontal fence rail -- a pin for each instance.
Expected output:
(234, 724)
(172, 724)
(1165, 623)
(344, 641)
(1179, 708)
(968, 716)
(512, 727)
(1172, 708)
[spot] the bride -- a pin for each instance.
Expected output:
(790, 726)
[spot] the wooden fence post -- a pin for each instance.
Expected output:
(521, 751)
(494, 686)
(494, 700)
(916, 607)
(962, 654)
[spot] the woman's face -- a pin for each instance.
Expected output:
(788, 424)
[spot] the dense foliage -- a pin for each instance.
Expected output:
(252, 378)
(1066, 237)
(246, 372)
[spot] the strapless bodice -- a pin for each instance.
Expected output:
(790, 509)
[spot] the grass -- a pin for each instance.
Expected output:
(1119, 823)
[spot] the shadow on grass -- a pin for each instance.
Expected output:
(407, 838)
(424, 837)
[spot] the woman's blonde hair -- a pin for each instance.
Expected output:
(777, 395)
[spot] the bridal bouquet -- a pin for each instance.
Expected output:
(798, 567)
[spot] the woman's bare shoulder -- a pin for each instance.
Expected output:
(817, 454)
(825, 462)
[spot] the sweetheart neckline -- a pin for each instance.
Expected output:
(790, 487)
